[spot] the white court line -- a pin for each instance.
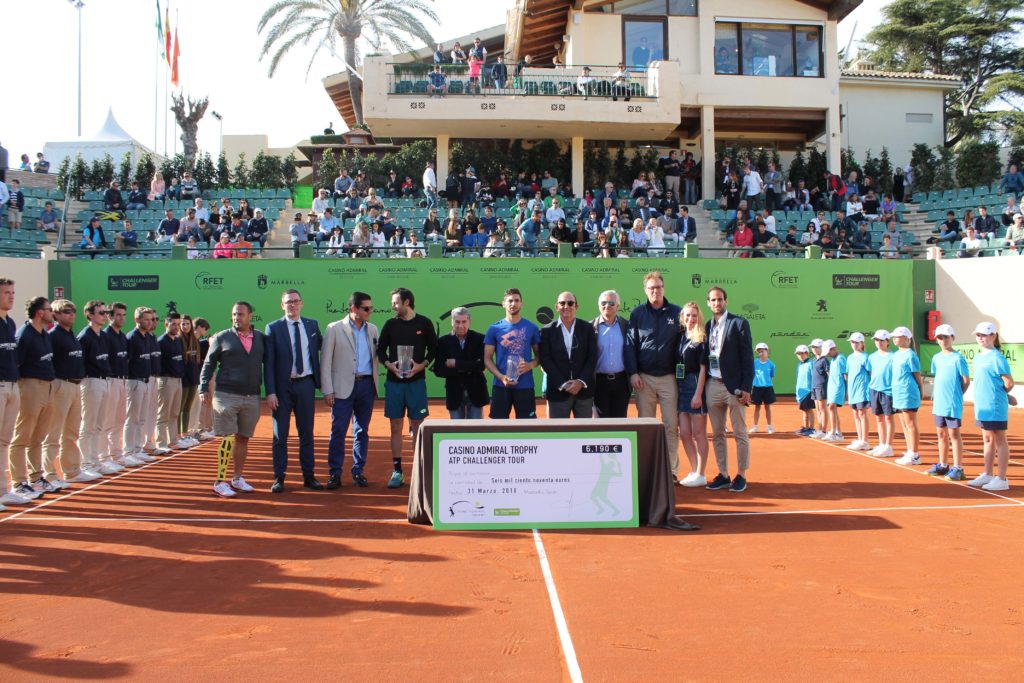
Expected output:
(556, 608)
(233, 520)
(910, 468)
(101, 482)
(842, 510)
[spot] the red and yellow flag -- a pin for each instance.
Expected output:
(167, 33)
(174, 63)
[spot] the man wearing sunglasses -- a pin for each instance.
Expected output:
(614, 366)
(568, 355)
(348, 380)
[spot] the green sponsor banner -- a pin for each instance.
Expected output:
(787, 301)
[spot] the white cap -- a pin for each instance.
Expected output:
(816, 342)
(802, 349)
(882, 335)
(944, 330)
(985, 328)
(827, 345)
(903, 331)
(257, 210)
(760, 346)
(857, 337)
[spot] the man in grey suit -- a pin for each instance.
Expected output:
(348, 380)
(568, 354)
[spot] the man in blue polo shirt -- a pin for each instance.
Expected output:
(117, 398)
(66, 416)
(35, 372)
(138, 384)
(9, 397)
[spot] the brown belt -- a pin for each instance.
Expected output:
(73, 381)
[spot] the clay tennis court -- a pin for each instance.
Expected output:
(831, 566)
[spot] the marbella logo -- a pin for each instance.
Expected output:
(206, 280)
(782, 280)
(695, 280)
(261, 281)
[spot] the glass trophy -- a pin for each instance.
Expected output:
(512, 368)
(404, 362)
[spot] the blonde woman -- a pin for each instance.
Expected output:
(691, 374)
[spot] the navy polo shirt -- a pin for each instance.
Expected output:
(138, 355)
(172, 356)
(68, 362)
(95, 353)
(35, 354)
(117, 348)
(8, 350)
(153, 344)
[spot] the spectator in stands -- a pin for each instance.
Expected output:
(321, 201)
(48, 218)
(137, 199)
(768, 219)
(26, 164)
(499, 72)
(468, 185)
(173, 191)
(810, 235)
(1010, 209)
(299, 233)
(637, 238)
(392, 186)
(764, 240)
(414, 248)
(602, 247)
(753, 187)
(336, 242)
(475, 67)
(432, 225)
(127, 238)
(861, 240)
(529, 231)
(555, 213)
(828, 249)
(803, 197)
(396, 242)
(789, 202)
(92, 236)
(342, 184)
(224, 248)
(157, 188)
(501, 230)
(560, 233)
(430, 185)
(189, 187)
(326, 226)
(362, 183)
(15, 205)
(584, 84)
(458, 55)
(846, 222)
(408, 189)
(202, 213)
(258, 228)
(854, 207)
(670, 226)
(244, 211)
(188, 225)
(835, 189)
(168, 227)
(772, 187)
(791, 242)
(378, 240)
(350, 208)
(949, 231)
(41, 165)
(892, 229)
(1012, 182)
(525, 63)
(731, 188)
(1015, 233)
(439, 55)
(743, 240)
(620, 83)
(192, 250)
(872, 207)
(371, 200)
(360, 241)
(112, 200)
(887, 209)
(971, 245)
(437, 82)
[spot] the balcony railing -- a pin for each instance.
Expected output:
(414, 79)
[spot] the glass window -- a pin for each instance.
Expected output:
(682, 8)
(651, 7)
(808, 51)
(726, 49)
(767, 50)
(643, 43)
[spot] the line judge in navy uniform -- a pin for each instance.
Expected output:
(291, 376)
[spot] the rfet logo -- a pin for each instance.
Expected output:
(783, 280)
(205, 280)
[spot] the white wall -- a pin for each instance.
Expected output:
(30, 279)
(876, 117)
(971, 290)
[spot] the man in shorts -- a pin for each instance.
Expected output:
(237, 357)
(406, 348)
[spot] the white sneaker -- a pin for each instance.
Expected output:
(59, 484)
(883, 452)
(84, 476)
(833, 437)
(856, 445)
(115, 464)
(43, 486)
(180, 445)
(160, 450)
(981, 480)
(144, 457)
(12, 498)
(752, 430)
(694, 480)
(109, 468)
(997, 484)
(240, 484)
(129, 461)
(26, 490)
(224, 490)
(91, 470)
(909, 458)
(207, 436)
(192, 441)
(771, 430)
(818, 435)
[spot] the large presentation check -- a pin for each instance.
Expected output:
(535, 480)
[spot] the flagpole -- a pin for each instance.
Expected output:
(156, 102)
(166, 109)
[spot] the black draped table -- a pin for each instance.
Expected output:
(655, 488)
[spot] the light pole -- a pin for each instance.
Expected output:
(78, 5)
(220, 120)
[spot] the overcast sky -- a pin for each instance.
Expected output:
(219, 59)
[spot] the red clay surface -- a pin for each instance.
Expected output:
(873, 572)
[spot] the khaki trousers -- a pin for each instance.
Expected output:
(662, 391)
(720, 402)
(62, 441)
(30, 428)
(9, 401)
(138, 393)
(115, 417)
(168, 408)
(95, 395)
(149, 424)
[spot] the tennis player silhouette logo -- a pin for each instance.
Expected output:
(610, 469)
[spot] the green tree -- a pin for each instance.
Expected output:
(325, 172)
(849, 163)
(266, 171)
(922, 164)
(977, 163)
(945, 169)
(144, 170)
(798, 167)
(870, 167)
(124, 173)
(885, 172)
(289, 171)
(241, 172)
(976, 41)
(384, 24)
(80, 176)
(817, 164)
(205, 172)
(223, 172)
(64, 174)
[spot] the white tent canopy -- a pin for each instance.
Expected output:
(111, 139)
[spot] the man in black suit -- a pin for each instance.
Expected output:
(730, 378)
(460, 360)
(568, 354)
(687, 226)
(614, 366)
(291, 376)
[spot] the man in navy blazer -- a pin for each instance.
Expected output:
(568, 354)
(291, 376)
(730, 378)
(687, 230)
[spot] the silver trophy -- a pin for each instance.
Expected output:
(404, 363)
(512, 367)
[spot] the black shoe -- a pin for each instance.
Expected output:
(278, 486)
(739, 484)
(359, 480)
(310, 482)
(334, 482)
(719, 482)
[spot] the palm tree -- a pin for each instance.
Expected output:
(385, 22)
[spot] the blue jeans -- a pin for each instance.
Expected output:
(467, 411)
(360, 406)
(529, 247)
(431, 198)
(689, 191)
